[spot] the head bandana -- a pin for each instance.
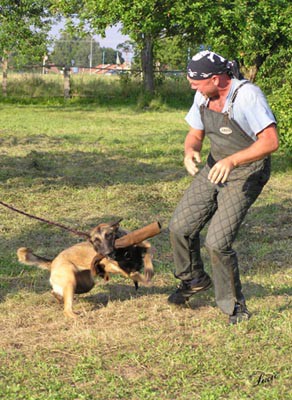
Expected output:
(206, 64)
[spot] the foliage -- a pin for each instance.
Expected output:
(139, 18)
(251, 31)
(24, 27)
(280, 101)
(172, 53)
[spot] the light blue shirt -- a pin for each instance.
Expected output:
(250, 109)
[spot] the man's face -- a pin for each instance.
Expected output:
(205, 86)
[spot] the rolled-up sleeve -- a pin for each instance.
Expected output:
(193, 117)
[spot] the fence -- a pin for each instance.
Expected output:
(67, 82)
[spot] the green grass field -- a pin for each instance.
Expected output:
(81, 164)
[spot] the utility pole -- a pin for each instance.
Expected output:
(45, 57)
(90, 56)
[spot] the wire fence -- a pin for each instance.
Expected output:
(99, 70)
(67, 81)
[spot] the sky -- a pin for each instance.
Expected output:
(113, 38)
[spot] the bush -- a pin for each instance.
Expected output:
(280, 101)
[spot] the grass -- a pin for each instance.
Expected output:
(79, 164)
(102, 90)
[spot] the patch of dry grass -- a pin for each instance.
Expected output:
(80, 166)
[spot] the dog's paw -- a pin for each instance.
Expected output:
(22, 253)
(137, 277)
(70, 314)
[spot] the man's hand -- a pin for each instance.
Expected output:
(190, 161)
(220, 171)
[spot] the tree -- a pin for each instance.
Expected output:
(24, 26)
(145, 21)
(252, 31)
(174, 53)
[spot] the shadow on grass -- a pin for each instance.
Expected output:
(81, 169)
(38, 282)
(123, 292)
(115, 291)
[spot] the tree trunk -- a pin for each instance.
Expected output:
(250, 73)
(4, 76)
(147, 63)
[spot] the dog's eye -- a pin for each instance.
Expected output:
(96, 240)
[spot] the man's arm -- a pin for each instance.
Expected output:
(193, 146)
(267, 142)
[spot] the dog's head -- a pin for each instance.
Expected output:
(103, 237)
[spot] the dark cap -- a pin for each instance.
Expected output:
(205, 64)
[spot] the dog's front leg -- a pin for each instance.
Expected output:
(68, 301)
(111, 266)
(147, 260)
(137, 277)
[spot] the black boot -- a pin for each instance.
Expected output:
(188, 288)
(240, 313)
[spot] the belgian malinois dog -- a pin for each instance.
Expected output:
(75, 268)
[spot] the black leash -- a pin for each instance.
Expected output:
(79, 233)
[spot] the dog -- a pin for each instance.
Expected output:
(75, 268)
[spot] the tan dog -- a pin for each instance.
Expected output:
(74, 269)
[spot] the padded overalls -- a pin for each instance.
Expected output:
(224, 205)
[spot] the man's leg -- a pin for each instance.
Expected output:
(234, 199)
(192, 213)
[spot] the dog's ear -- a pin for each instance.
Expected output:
(115, 225)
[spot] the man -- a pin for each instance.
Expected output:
(236, 118)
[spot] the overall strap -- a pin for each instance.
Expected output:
(232, 100)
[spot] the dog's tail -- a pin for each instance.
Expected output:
(26, 256)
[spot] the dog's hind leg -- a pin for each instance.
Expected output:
(57, 296)
(63, 281)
